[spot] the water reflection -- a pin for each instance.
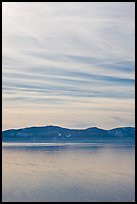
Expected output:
(44, 173)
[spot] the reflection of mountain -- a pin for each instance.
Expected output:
(59, 134)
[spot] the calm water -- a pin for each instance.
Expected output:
(68, 173)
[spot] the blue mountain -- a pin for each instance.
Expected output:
(59, 134)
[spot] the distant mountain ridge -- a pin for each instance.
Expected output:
(60, 134)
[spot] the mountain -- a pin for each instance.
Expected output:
(59, 134)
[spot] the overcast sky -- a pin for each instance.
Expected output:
(68, 64)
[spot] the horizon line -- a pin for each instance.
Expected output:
(27, 127)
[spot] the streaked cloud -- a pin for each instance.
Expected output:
(68, 64)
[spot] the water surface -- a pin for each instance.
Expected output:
(62, 172)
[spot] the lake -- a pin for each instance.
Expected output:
(68, 172)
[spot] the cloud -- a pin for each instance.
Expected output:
(58, 54)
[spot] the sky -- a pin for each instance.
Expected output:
(70, 64)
